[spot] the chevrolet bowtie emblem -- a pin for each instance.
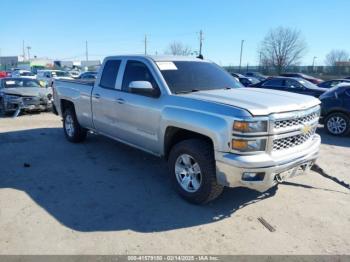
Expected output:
(306, 129)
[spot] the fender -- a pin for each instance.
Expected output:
(212, 126)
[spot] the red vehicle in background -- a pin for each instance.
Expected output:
(3, 74)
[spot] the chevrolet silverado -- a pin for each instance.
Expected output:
(212, 131)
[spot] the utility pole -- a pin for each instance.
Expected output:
(200, 42)
(240, 59)
(23, 51)
(313, 63)
(145, 44)
(86, 51)
(28, 49)
(260, 61)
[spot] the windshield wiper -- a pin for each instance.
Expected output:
(187, 91)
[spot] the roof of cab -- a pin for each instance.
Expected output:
(160, 58)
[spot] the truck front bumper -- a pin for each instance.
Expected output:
(271, 168)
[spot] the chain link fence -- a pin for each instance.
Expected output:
(323, 72)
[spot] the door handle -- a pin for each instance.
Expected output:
(120, 101)
(97, 96)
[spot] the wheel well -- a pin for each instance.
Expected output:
(174, 135)
(337, 111)
(66, 104)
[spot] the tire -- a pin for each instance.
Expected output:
(203, 186)
(72, 130)
(3, 112)
(337, 124)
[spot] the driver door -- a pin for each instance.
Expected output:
(139, 114)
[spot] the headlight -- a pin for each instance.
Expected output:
(252, 145)
(250, 126)
(10, 97)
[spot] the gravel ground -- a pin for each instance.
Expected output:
(102, 197)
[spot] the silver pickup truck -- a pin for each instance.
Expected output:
(211, 130)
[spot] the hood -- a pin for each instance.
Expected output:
(26, 91)
(257, 101)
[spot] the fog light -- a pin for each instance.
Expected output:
(253, 176)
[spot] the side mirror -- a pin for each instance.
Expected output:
(141, 87)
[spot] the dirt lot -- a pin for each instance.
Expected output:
(102, 197)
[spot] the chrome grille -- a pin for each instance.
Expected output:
(296, 121)
(292, 141)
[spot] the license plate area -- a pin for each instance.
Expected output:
(293, 172)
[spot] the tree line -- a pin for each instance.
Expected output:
(281, 48)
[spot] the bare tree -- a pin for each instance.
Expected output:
(178, 48)
(335, 56)
(282, 47)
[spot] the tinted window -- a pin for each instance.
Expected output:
(293, 84)
(244, 81)
(192, 75)
(277, 82)
(109, 74)
(137, 71)
(27, 74)
(326, 84)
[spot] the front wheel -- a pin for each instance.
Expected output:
(3, 111)
(337, 124)
(192, 168)
(73, 131)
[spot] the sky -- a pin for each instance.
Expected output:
(59, 29)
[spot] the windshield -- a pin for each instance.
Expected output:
(60, 73)
(190, 76)
(13, 83)
(308, 84)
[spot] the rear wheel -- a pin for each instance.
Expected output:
(337, 124)
(73, 131)
(192, 167)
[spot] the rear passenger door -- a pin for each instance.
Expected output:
(104, 99)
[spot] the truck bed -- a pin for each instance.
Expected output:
(79, 81)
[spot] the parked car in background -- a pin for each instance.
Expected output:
(336, 110)
(294, 85)
(248, 81)
(90, 75)
(48, 76)
(3, 74)
(23, 73)
(245, 81)
(74, 73)
(23, 94)
(256, 75)
(311, 79)
(212, 132)
(332, 83)
(237, 75)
